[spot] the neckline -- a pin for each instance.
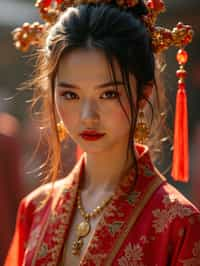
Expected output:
(141, 151)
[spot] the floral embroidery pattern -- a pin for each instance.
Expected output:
(133, 256)
(133, 196)
(58, 222)
(148, 172)
(95, 261)
(47, 252)
(195, 261)
(34, 236)
(115, 227)
(43, 250)
(173, 208)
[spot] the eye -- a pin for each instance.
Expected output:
(112, 94)
(69, 95)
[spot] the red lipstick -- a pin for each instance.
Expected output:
(91, 135)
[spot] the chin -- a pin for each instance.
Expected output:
(93, 148)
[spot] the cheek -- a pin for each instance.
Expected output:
(59, 107)
(65, 111)
(121, 120)
(117, 117)
(124, 112)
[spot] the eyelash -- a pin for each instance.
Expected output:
(69, 95)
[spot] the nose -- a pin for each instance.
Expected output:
(89, 113)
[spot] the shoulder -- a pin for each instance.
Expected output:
(165, 197)
(42, 198)
(39, 200)
(181, 219)
(171, 196)
(172, 210)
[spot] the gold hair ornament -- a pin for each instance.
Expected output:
(162, 38)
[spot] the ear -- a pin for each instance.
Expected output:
(147, 92)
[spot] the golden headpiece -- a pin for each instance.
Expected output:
(162, 38)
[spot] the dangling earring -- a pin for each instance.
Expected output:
(142, 129)
(62, 132)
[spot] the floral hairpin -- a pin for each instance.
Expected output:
(162, 38)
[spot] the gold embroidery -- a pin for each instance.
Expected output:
(133, 256)
(139, 205)
(168, 199)
(57, 222)
(40, 201)
(34, 236)
(132, 197)
(115, 227)
(195, 260)
(59, 231)
(43, 251)
(173, 208)
(147, 171)
(97, 260)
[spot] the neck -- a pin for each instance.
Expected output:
(103, 171)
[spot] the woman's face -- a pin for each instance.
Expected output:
(86, 99)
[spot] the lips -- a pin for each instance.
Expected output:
(91, 135)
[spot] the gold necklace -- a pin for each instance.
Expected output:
(84, 227)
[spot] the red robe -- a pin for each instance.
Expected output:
(152, 225)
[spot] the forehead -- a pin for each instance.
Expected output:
(86, 64)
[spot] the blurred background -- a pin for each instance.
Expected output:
(19, 135)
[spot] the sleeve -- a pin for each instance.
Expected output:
(187, 252)
(18, 244)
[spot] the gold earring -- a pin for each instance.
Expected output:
(62, 132)
(142, 130)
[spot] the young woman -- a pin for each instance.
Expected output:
(96, 73)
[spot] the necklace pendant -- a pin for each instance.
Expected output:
(83, 229)
(76, 247)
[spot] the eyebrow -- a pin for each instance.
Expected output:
(101, 86)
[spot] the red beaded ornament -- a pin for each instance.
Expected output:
(180, 166)
(156, 5)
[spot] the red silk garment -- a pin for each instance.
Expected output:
(154, 225)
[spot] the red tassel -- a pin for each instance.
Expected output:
(180, 165)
